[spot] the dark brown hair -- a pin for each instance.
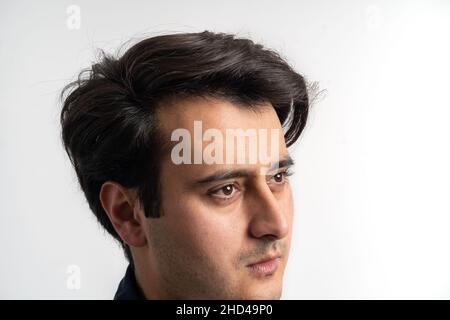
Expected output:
(109, 127)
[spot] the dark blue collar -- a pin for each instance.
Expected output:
(128, 288)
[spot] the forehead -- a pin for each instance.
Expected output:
(219, 115)
(216, 113)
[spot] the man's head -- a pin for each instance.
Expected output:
(192, 230)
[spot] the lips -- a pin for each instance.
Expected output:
(266, 266)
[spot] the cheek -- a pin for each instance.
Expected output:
(288, 206)
(200, 231)
(290, 203)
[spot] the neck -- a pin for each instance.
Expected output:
(146, 275)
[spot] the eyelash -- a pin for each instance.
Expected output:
(285, 174)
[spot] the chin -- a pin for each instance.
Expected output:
(264, 294)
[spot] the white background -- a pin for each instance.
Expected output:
(372, 182)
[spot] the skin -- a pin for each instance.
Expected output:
(209, 232)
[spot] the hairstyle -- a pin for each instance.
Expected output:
(108, 118)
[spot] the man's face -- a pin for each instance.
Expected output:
(213, 232)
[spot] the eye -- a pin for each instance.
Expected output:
(225, 192)
(280, 177)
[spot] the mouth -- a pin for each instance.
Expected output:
(266, 266)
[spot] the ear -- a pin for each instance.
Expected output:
(119, 204)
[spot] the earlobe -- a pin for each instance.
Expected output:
(120, 208)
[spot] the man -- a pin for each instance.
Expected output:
(198, 218)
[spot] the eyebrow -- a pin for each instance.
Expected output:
(242, 173)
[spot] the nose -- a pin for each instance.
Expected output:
(268, 217)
